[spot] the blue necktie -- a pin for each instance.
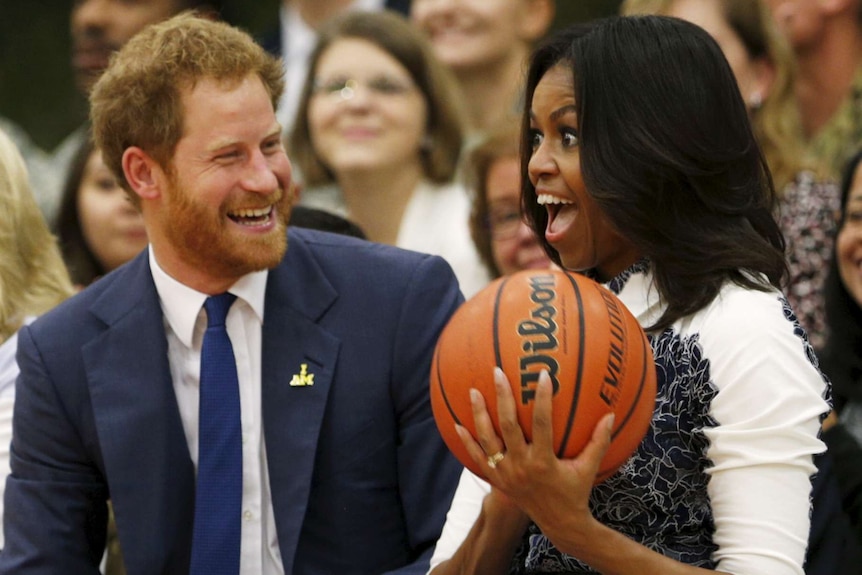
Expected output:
(218, 498)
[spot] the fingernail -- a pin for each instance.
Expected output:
(475, 396)
(611, 421)
(499, 378)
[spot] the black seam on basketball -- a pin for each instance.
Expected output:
(443, 389)
(494, 329)
(634, 404)
(576, 392)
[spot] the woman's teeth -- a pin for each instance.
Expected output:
(545, 199)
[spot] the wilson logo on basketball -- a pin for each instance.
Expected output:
(539, 337)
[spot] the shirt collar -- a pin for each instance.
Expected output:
(181, 304)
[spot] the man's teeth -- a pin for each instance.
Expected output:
(252, 213)
(544, 199)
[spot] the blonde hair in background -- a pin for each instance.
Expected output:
(33, 278)
(776, 122)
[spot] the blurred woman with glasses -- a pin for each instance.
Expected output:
(505, 242)
(378, 137)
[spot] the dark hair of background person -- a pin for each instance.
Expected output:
(312, 218)
(501, 143)
(215, 5)
(667, 152)
(82, 263)
(393, 34)
(841, 358)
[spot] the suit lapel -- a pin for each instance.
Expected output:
(298, 295)
(147, 463)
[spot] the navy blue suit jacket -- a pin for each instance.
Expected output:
(360, 478)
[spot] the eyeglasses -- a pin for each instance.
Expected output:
(504, 222)
(345, 88)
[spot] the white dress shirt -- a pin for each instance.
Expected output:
(185, 324)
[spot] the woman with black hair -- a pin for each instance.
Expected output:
(98, 226)
(842, 356)
(640, 169)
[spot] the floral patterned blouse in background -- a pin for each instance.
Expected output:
(808, 217)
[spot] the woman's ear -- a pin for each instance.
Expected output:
(143, 173)
(764, 79)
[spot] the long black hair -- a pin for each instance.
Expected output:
(668, 154)
(83, 265)
(842, 355)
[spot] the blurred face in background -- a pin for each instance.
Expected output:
(802, 21)
(366, 113)
(848, 243)
(514, 246)
(101, 27)
(753, 75)
(111, 226)
(467, 34)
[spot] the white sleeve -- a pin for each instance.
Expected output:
(463, 512)
(8, 374)
(768, 407)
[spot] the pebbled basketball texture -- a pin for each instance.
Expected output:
(596, 353)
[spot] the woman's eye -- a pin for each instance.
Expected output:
(535, 139)
(330, 86)
(106, 183)
(570, 138)
(388, 86)
(853, 217)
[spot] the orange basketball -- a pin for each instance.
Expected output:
(596, 353)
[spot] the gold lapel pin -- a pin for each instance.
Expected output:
(303, 378)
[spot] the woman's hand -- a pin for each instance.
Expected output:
(555, 492)
(552, 492)
(830, 421)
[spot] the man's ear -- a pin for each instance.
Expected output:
(144, 175)
(536, 19)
